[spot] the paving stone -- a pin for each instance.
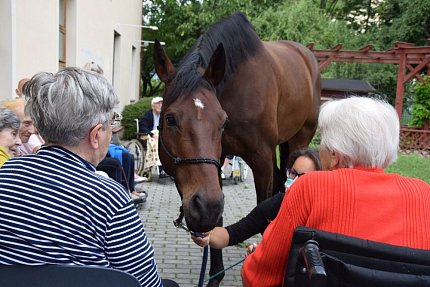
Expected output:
(177, 256)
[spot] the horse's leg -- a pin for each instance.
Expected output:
(284, 153)
(278, 183)
(261, 164)
(303, 137)
(217, 263)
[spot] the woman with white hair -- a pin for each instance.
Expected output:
(9, 134)
(352, 196)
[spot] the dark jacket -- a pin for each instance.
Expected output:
(146, 123)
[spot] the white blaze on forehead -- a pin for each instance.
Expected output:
(198, 103)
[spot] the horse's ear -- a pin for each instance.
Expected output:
(215, 71)
(163, 65)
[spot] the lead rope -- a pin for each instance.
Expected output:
(178, 223)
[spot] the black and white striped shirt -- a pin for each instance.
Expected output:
(54, 209)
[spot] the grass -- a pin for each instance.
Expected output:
(411, 165)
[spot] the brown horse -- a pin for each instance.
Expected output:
(233, 94)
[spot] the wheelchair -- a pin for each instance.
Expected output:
(239, 169)
(138, 147)
(324, 259)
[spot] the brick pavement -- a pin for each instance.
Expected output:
(178, 257)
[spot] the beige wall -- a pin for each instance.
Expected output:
(29, 40)
(7, 48)
(36, 37)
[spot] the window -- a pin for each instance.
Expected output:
(62, 35)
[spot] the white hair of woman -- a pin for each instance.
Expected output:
(65, 106)
(363, 131)
(8, 120)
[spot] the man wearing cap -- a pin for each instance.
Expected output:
(149, 123)
(150, 119)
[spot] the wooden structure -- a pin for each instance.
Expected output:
(341, 88)
(412, 61)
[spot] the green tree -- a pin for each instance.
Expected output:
(421, 105)
(354, 23)
(404, 20)
(181, 23)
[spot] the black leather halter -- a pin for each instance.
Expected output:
(178, 161)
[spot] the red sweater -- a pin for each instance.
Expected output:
(364, 203)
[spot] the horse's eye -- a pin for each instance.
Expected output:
(170, 120)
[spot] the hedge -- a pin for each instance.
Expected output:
(132, 112)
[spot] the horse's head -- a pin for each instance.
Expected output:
(191, 125)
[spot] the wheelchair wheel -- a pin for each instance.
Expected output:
(137, 150)
(243, 167)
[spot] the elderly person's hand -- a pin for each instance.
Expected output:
(202, 241)
(155, 134)
(251, 248)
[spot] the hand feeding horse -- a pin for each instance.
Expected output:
(233, 94)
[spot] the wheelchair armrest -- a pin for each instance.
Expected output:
(314, 264)
(137, 125)
(143, 136)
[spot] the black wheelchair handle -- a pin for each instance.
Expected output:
(313, 261)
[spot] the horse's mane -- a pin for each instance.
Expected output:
(240, 42)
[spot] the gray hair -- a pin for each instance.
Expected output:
(8, 120)
(65, 106)
(365, 132)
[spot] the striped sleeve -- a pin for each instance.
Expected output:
(128, 249)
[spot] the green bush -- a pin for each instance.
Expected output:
(316, 140)
(421, 106)
(131, 112)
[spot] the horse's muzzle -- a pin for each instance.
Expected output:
(202, 214)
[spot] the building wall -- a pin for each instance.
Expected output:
(29, 33)
(7, 49)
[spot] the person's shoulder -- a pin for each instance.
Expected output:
(419, 183)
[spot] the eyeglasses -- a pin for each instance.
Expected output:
(116, 118)
(292, 173)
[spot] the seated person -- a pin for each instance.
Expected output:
(151, 118)
(27, 128)
(148, 124)
(119, 165)
(352, 196)
(122, 168)
(69, 214)
(34, 143)
(228, 160)
(18, 90)
(9, 134)
(302, 161)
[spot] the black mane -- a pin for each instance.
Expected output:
(240, 42)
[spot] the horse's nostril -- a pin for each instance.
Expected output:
(204, 213)
(199, 204)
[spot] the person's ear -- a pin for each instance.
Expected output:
(94, 137)
(334, 160)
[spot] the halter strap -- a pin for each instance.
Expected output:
(178, 161)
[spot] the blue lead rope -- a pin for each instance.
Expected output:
(204, 263)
